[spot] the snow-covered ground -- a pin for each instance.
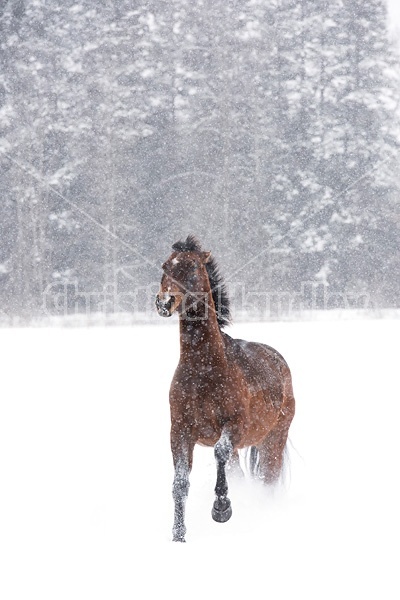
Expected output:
(86, 474)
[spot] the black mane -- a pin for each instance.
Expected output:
(191, 244)
(218, 287)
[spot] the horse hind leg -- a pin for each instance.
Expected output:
(272, 448)
(272, 451)
(271, 458)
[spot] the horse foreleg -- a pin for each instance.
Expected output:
(180, 489)
(222, 509)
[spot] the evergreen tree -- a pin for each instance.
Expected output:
(269, 129)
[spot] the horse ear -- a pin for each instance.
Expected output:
(206, 256)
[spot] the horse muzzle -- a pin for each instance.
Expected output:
(164, 305)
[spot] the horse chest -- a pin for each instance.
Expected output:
(203, 399)
(209, 381)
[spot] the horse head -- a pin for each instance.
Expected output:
(184, 282)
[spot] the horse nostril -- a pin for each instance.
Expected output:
(164, 306)
(168, 303)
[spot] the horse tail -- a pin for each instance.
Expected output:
(253, 461)
(285, 476)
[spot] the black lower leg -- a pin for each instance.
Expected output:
(222, 510)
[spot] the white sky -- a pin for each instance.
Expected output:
(394, 13)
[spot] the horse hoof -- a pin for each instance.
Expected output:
(221, 513)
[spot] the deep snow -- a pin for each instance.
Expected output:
(86, 473)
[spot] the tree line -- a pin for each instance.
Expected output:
(268, 128)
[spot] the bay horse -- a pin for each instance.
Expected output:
(226, 393)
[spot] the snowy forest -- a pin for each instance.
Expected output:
(267, 128)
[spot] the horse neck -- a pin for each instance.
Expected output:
(202, 334)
